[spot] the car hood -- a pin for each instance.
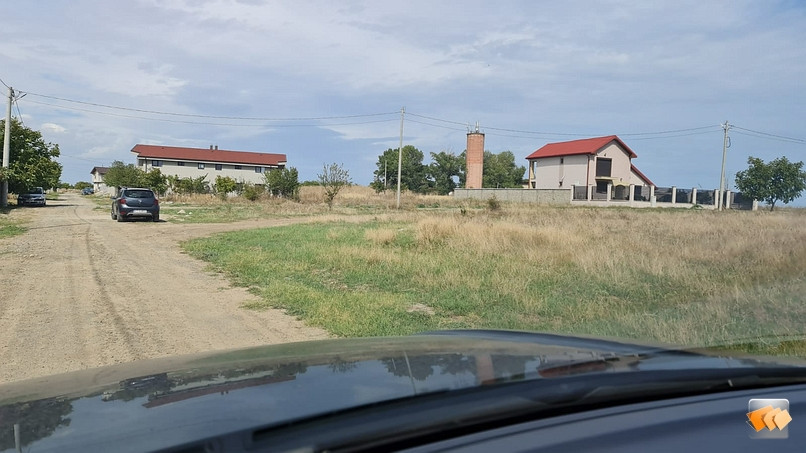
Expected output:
(158, 403)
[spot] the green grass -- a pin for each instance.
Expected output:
(8, 227)
(536, 272)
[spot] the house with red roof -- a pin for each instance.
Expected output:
(598, 162)
(241, 166)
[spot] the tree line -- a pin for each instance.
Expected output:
(446, 172)
(281, 182)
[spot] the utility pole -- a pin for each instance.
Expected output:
(400, 155)
(725, 146)
(6, 150)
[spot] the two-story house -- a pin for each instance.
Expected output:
(597, 162)
(241, 166)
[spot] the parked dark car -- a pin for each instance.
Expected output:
(33, 197)
(87, 191)
(134, 202)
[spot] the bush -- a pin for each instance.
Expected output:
(224, 185)
(252, 192)
(493, 204)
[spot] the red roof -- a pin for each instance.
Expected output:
(574, 147)
(208, 155)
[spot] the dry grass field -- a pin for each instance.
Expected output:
(689, 277)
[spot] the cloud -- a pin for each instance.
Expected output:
(52, 128)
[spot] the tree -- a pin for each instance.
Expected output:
(154, 180)
(123, 175)
(224, 185)
(445, 171)
(283, 182)
(82, 185)
(413, 173)
(333, 178)
(31, 159)
(500, 170)
(779, 180)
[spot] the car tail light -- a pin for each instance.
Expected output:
(156, 202)
(122, 201)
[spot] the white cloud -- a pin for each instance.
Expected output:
(52, 128)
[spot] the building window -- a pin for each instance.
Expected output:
(258, 169)
(219, 166)
(156, 163)
(180, 164)
(238, 167)
(201, 166)
(562, 160)
(604, 167)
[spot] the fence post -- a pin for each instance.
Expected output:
(755, 205)
(693, 195)
(728, 198)
(609, 190)
(632, 193)
(716, 199)
(674, 194)
(590, 192)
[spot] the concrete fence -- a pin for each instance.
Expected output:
(542, 196)
(632, 196)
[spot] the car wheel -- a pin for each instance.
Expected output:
(156, 218)
(119, 217)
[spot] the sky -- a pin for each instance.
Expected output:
(325, 81)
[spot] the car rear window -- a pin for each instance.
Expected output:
(138, 194)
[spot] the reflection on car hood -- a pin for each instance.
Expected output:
(164, 402)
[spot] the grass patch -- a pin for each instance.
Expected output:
(354, 200)
(9, 227)
(691, 277)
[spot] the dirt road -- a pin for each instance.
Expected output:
(79, 290)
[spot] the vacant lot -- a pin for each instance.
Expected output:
(680, 276)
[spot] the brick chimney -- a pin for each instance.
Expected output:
(475, 159)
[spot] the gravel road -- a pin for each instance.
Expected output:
(79, 290)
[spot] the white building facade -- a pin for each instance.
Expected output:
(242, 166)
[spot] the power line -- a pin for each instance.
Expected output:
(544, 133)
(191, 115)
(19, 113)
(207, 123)
(764, 137)
(798, 140)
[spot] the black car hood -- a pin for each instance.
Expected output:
(160, 403)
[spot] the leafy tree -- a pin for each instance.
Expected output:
(31, 159)
(445, 171)
(154, 180)
(333, 178)
(123, 175)
(82, 185)
(500, 170)
(413, 172)
(779, 180)
(283, 182)
(224, 185)
(192, 185)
